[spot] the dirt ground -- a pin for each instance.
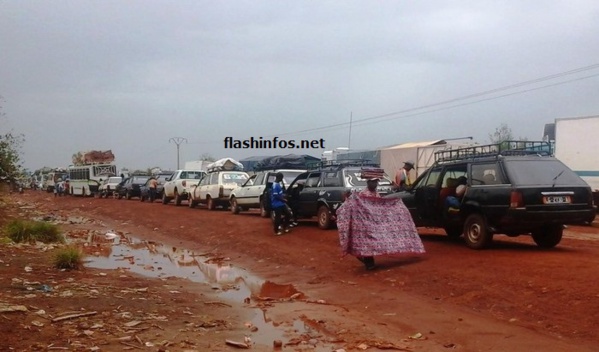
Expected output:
(301, 291)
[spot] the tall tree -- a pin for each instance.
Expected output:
(502, 133)
(10, 145)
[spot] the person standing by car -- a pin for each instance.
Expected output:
(402, 177)
(152, 186)
(279, 206)
(370, 225)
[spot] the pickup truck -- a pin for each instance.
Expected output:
(252, 194)
(178, 186)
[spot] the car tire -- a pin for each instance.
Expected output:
(191, 203)
(324, 217)
(210, 203)
(234, 206)
(142, 199)
(120, 196)
(177, 198)
(165, 199)
(128, 195)
(476, 232)
(548, 236)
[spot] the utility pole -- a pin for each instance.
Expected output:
(178, 141)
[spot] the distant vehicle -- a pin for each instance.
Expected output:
(161, 179)
(513, 188)
(253, 193)
(52, 178)
(85, 180)
(215, 187)
(178, 186)
(132, 187)
(320, 191)
(108, 186)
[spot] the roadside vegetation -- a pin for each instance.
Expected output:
(68, 258)
(33, 231)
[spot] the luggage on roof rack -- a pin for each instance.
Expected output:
(225, 164)
(291, 161)
(495, 150)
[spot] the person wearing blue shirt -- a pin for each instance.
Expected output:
(279, 206)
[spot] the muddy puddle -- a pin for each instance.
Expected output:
(230, 284)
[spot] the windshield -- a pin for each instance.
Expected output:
(354, 179)
(542, 172)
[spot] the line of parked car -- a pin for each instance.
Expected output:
(513, 188)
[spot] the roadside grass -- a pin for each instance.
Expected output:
(68, 258)
(32, 231)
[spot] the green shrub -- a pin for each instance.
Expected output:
(68, 258)
(32, 231)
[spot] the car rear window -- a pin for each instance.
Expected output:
(542, 172)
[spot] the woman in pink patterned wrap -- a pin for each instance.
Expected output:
(370, 225)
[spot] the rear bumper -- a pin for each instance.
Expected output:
(530, 219)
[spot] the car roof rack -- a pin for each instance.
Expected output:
(341, 163)
(505, 148)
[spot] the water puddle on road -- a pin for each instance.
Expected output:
(234, 284)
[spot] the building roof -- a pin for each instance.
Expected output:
(416, 144)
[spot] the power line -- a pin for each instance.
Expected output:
(393, 115)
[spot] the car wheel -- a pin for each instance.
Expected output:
(476, 233)
(324, 217)
(191, 203)
(165, 199)
(120, 196)
(128, 195)
(263, 212)
(234, 206)
(177, 198)
(210, 203)
(548, 236)
(453, 231)
(142, 199)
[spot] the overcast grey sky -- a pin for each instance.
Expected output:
(129, 75)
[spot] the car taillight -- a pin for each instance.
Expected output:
(516, 200)
(183, 183)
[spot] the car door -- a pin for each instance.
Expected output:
(308, 197)
(426, 197)
(169, 185)
(245, 194)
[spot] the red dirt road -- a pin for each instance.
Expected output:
(511, 297)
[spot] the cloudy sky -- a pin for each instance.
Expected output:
(131, 75)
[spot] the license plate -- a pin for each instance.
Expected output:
(556, 199)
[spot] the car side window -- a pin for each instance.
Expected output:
(331, 179)
(313, 180)
(487, 174)
(259, 179)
